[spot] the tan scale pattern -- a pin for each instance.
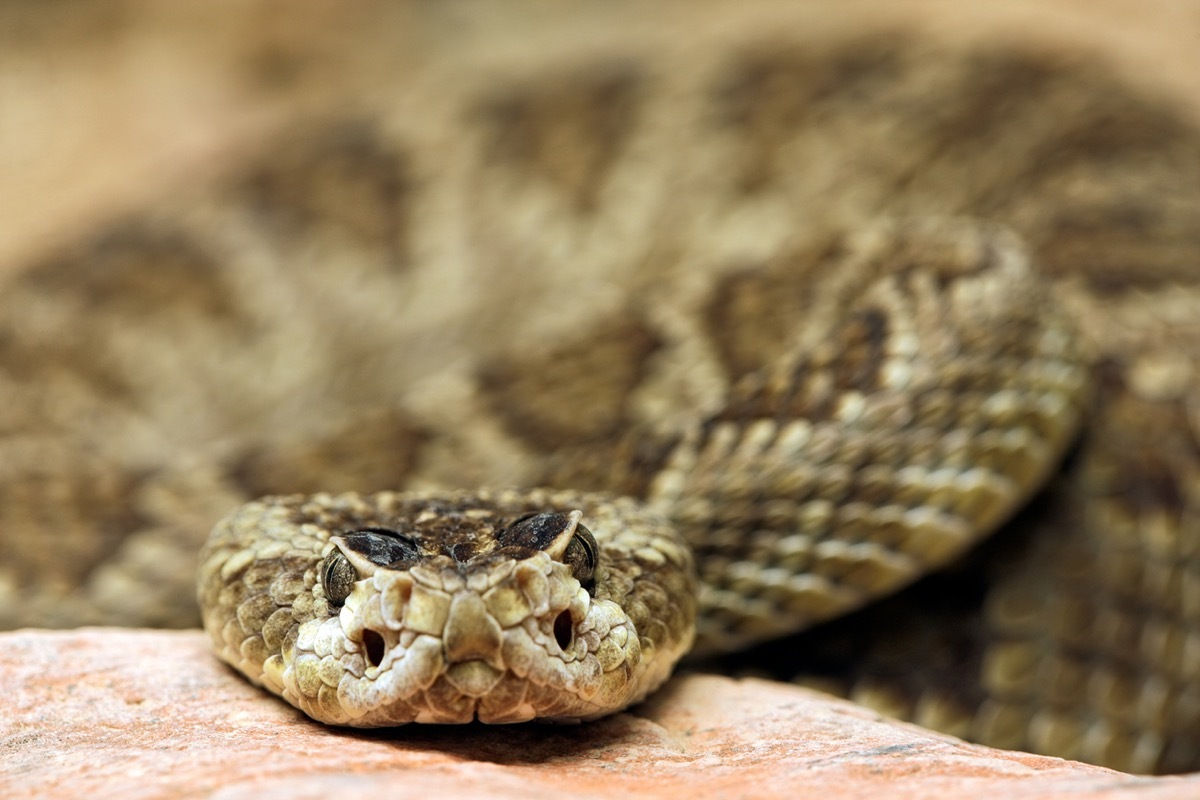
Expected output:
(688, 224)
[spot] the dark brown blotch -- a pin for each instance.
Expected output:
(754, 312)
(132, 281)
(569, 132)
(347, 179)
(769, 94)
(576, 391)
(64, 513)
(135, 272)
(369, 453)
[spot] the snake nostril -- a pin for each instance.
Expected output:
(374, 645)
(564, 630)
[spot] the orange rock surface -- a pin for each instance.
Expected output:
(139, 714)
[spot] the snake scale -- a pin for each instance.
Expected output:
(828, 309)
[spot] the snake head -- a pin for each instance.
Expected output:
(501, 607)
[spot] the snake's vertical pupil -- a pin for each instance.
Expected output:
(581, 556)
(337, 578)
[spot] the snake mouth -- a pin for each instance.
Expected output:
(474, 678)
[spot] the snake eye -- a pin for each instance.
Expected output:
(364, 550)
(547, 531)
(581, 557)
(338, 577)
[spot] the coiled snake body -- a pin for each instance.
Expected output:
(920, 406)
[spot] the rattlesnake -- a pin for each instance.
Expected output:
(498, 274)
(928, 390)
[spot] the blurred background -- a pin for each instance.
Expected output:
(106, 106)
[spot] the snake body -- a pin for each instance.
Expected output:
(826, 301)
(924, 401)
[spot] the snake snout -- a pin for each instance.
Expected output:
(471, 632)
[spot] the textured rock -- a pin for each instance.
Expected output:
(130, 713)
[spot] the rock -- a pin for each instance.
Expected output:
(139, 713)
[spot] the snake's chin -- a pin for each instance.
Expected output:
(505, 642)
